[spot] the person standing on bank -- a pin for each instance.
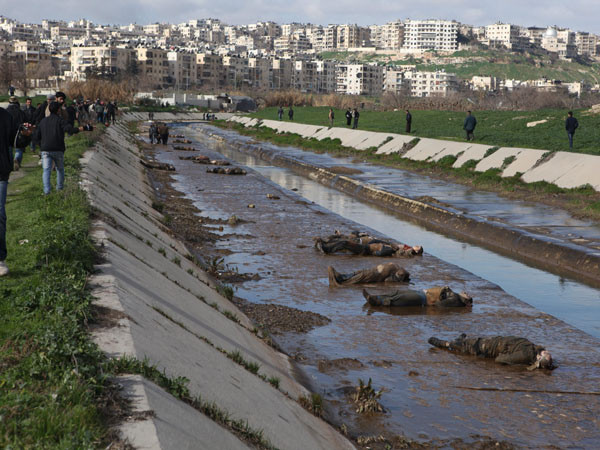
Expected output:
(356, 115)
(280, 113)
(8, 132)
(571, 124)
(348, 117)
(291, 113)
(51, 133)
(14, 109)
(331, 117)
(408, 121)
(469, 126)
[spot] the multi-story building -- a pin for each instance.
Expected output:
(182, 69)
(280, 75)
(389, 36)
(258, 72)
(296, 43)
(330, 38)
(439, 35)
(107, 58)
(153, 66)
(359, 79)
(235, 69)
(352, 36)
(427, 84)
(505, 35)
(32, 52)
(561, 42)
(210, 73)
(587, 44)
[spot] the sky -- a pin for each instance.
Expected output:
(579, 15)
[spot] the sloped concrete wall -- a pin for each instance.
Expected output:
(170, 313)
(566, 170)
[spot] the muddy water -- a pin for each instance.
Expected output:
(425, 394)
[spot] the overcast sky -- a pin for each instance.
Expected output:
(580, 15)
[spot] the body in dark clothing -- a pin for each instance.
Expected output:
(163, 133)
(348, 117)
(469, 126)
(503, 349)
(571, 124)
(29, 111)
(372, 247)
(280, 113)
(438, 297)
(388, 272)
(111, 111)
(355, 115)
(71, 115)
(408, 121)
(51, 133)
(291, 113)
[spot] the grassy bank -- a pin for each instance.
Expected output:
(53, 387)
(582, 202)
(495, 128)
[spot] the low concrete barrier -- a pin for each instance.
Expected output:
(565, 169)
(166, 309)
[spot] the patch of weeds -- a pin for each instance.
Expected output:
(231, 316)
(508, 161)
(214, 305)
(446, 161)
(312, 403)
(238, 358)
(274, 381)
(176, 260)
(162, 251)
(148, 243)
(167, 219)
(226, 291)
(366, 398)
(168, 317)
(190, 271)
(159, 206)
(491, 151)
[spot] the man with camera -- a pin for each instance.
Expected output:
(51, 133)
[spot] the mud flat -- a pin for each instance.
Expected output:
(431, 396)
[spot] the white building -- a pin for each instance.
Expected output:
(359, 79)
(421, 35)
(427, 84)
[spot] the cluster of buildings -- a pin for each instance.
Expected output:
(210, 55)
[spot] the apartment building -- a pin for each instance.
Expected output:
(330, 38)
(235, 69)
(296, 43)
(359, 79)
(280, 74)
(561, 42)
(505, 35)
(210, 72)
(258, 72)
(182, 69)
(110, 58)
(389, 36)
(153, 66)
(587, 44)
(32, 52)
(439, 35)
(427, 84)
(352, 36)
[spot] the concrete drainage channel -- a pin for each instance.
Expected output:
(558, 257)
(160, 307)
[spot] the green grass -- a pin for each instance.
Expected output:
(494, 128)
(50, 372)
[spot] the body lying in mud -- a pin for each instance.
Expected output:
(381, 273)
(359, 243)
(227, 170)
(443, 297)
(203, 159)
(509, 350)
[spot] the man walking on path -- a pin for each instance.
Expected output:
(571, 124)
(356, 115)
(331, 117)
(14, 109)
(348, 117)
(8, 131)
(51, 133)
(408, 120)
(280, 113)
(469, 126)
(291, 113)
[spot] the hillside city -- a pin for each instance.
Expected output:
(401, 57)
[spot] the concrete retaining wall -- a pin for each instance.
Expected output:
(565, 169)
(165, 309)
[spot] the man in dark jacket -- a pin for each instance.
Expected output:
(408, 121)
(29, 111)
(355, 115)
(469, 126)
(348, 117)
(503, 349)
(8, 131)
(571, 124)
(163, 133)
(18, 115)
(291, 113)
(71, 113)
(51, 133)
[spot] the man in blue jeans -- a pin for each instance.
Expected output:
(51, 133)
(8, 131)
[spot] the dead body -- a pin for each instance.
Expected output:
(381, 273)
(363, 244)
(503, 349)
(437, 297)
(227, 170)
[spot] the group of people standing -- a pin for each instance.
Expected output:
(43, 127)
